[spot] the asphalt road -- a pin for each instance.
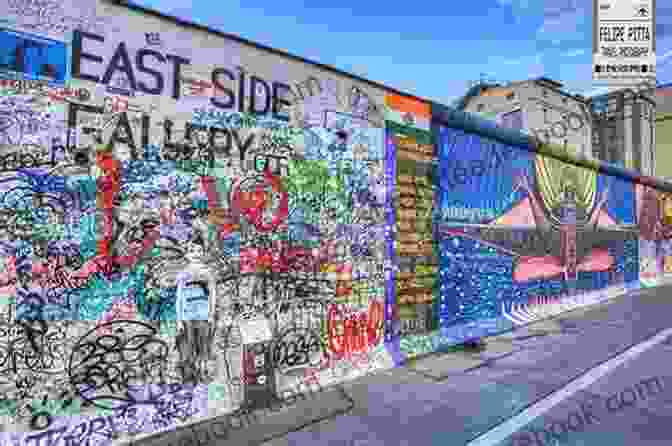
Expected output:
(598, 376)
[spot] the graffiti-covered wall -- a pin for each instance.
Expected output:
(191, 225)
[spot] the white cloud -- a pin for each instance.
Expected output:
(576, 52)
(563, 21)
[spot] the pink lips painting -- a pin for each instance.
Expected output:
(547, 267)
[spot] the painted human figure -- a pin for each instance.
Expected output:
(195, 307)
(566, 216)
(568, 233)
(584, 217)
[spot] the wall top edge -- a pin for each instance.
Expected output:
(186, 23)
(450, 117)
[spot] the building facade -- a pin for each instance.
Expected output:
(539, 107)
(663, 145)
(624, 130)
(617, 127)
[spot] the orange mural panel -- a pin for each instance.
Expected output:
(410, 105)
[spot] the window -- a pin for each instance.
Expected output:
(646, 112)
(596, 152)
(480, 107)
(544, 93)
(564, 100)
(600, 104)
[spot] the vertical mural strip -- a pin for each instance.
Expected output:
(408, 124)
(392, 328)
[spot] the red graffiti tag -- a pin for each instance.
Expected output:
(108, 186)
(226, 220)
(354, 332)
(279, 258)
(255, 205)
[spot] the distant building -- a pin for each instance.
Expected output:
(663, 151)
(624, 130)
(538, 107)
(616, 127)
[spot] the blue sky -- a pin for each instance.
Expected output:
(427, 47)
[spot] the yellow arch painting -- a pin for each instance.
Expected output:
(555, 177)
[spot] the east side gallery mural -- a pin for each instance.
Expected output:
(192, 227)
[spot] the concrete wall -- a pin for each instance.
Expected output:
(192, 225)
(215, 211)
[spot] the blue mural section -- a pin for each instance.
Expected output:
(621, 203)
(477, 176)
(519, 228)
(475, 280)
